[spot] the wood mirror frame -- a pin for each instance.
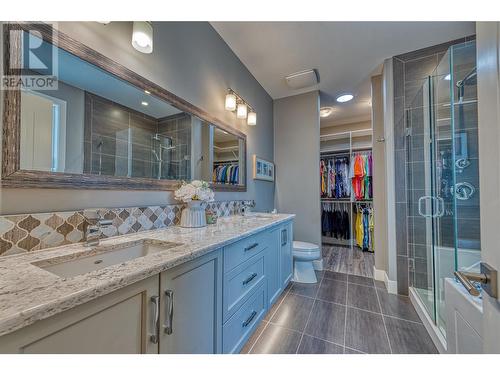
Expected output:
(14, 177)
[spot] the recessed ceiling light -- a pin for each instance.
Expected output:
(344, 98)
(145, 104)
(447, 77)
(325, 111)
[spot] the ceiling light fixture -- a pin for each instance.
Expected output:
(142, 36)
(145, 104)
(344, 98)
(234, 102)
(325, 111)
(147, 92)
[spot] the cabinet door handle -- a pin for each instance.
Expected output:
(252, 246)
(169, 312)
(284, 237)
(156, 317)
(249, 319)
(249, 278)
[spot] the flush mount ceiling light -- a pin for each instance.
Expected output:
(344, 98)
(325, 111)
(142, 36)
(234, 102)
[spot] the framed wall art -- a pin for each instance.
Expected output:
(262, 169)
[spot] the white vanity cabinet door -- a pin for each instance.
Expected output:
(120, 322)
(191, 307)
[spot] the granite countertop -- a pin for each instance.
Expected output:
(29, 293)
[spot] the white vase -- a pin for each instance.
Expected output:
(193, 216)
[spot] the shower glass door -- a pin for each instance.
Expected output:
(420, 198)
(443, 178)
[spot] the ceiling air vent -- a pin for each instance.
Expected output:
(304, 78)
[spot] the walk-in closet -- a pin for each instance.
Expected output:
(346, 180)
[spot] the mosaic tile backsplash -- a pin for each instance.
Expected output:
(31, 232)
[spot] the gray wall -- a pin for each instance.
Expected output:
(189, 59)
(296, 154)
(379, 183)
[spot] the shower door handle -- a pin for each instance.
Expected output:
(439, 204)
(421, 200)
(440, 207)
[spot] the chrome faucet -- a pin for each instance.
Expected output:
(93, 231)
(245, 207)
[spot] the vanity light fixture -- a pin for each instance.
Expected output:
(344, 98)
(252, 118)
(145, 104)
(230, 101)
(241, 110)
(142, 36)
(235, 102)
(325, 111)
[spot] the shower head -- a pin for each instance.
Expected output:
(469, 80)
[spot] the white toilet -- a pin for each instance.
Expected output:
(304, 254)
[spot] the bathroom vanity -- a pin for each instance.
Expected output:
(173, 290)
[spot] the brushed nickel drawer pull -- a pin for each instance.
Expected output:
(169, 312)
(156, 317)
(252, 246)
(250, 278)
(249, 319)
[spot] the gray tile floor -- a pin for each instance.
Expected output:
(342, 313)
(346, 260)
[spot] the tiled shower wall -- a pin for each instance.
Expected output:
(409, 71)
(31, 232)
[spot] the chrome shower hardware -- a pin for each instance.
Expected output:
(463, 191)
(461, 164)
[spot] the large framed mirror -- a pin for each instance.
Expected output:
(103, 126)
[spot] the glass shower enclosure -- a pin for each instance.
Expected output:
(443, 178)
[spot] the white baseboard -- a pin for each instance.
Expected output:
(381, 275)
(437, 337)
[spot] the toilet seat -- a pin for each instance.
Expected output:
(300, 246)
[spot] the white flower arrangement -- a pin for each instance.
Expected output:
(196, 190)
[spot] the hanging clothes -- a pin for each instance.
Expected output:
(361, 176)
(364, 227)
(335, 220)
(226, 174)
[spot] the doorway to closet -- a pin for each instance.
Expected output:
(346, 180)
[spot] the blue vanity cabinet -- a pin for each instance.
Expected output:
(286, 257)
(191, 307)
(273, 265)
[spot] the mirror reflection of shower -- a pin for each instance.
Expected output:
(160, 144)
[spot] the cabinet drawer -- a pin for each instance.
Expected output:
(238, 329)
(241, 282)
(240, 251)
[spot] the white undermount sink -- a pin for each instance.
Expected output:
(103, 256)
